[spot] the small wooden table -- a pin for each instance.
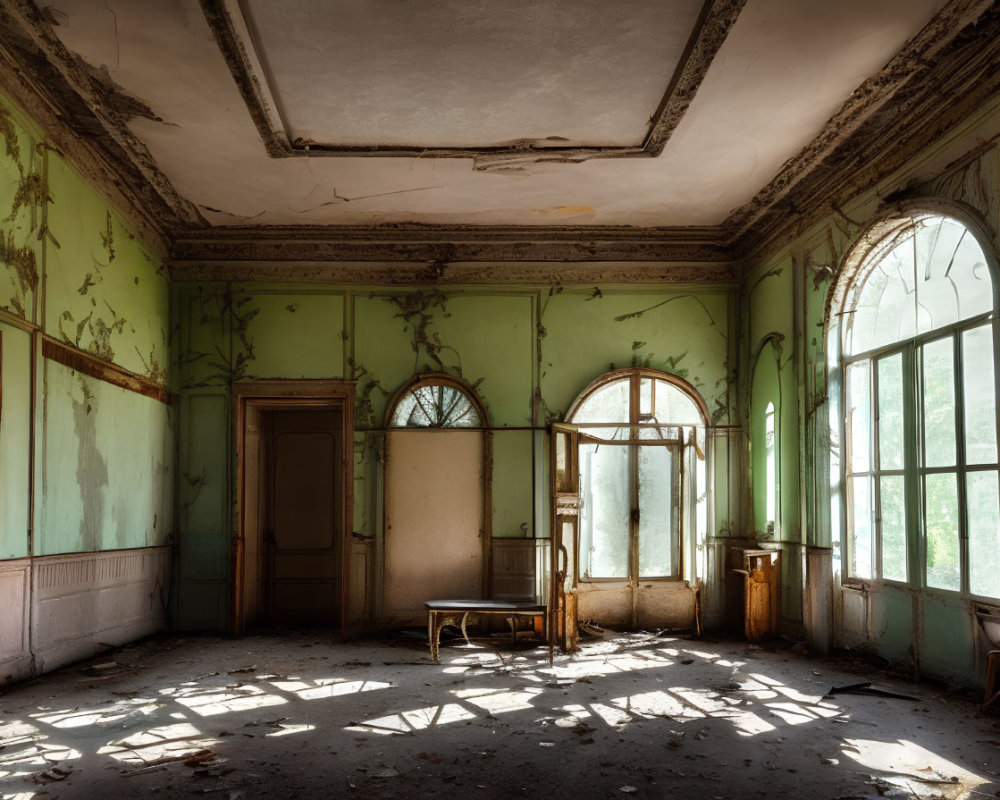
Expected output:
(457, 612)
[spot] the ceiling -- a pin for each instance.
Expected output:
(675, 121)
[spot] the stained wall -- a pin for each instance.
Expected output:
(86, 465)
(527, 352)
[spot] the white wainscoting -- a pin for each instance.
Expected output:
(15, 656)
(87, 602)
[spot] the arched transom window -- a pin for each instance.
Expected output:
(919, 466)
(436, 403)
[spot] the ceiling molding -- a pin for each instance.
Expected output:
(85, 113)
(235, 41)
(437, 273)
(942, 75)
(418, 244)
(719, 19)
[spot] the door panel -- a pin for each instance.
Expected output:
(303, 541)
(434, 520)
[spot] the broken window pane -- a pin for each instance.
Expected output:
(893, 515)
(941, 531)
(657, 512)
(980, 396)
(604, 511)
(939, 403)
(436, 406)
(984, 533)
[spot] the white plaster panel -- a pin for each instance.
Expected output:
(13, 601)
(84, 603)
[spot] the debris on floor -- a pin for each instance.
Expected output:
(302, 715)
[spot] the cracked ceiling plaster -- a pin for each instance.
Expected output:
(783, 71)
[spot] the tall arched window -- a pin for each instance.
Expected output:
(918, 425)
(639, 433)
(770, 469)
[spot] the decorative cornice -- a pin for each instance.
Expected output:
(437, 274)
(710, 31)
(940, 76)
(459, 254)
(85, 113)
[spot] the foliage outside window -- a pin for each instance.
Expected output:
(920, 462)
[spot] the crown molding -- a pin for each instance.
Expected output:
(941, 76)
(402, 253)
(85, 114)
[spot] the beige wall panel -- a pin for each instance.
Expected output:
(434, 520)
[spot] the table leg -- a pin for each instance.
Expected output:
(432, 635)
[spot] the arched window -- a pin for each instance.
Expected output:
(919, 467)
(436, 402)
(770, 468)
(639, 433)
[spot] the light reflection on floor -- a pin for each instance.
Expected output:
(476, 683)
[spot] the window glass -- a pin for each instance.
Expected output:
(941, 531)
(604, 510)
(893, 515)
(863, 541)
(435, 406)
(609, 403)
(657, 512)
(937, 242)
(984, 533)
(890, 412)
(939, 403)
(672, 405)
(771, 478)
(859, 415)
(980, 395)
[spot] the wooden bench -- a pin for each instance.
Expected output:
(457, 612)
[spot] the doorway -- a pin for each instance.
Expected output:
(290, 560)
(633, 484)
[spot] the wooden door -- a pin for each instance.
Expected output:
(565, 486)
(302, 538)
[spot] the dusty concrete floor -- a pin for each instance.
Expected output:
(299, 715)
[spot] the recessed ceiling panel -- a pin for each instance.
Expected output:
(467, 74)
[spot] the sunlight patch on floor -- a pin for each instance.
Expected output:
(919, 771)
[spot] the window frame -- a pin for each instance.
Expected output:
(858, 266)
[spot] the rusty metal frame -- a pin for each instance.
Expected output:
(444, 379)
(233, 35)
(284, 395)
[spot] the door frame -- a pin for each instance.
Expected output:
(249, 399)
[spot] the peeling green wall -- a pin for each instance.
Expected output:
(527, 352)
(785, 303)
(72, 268)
